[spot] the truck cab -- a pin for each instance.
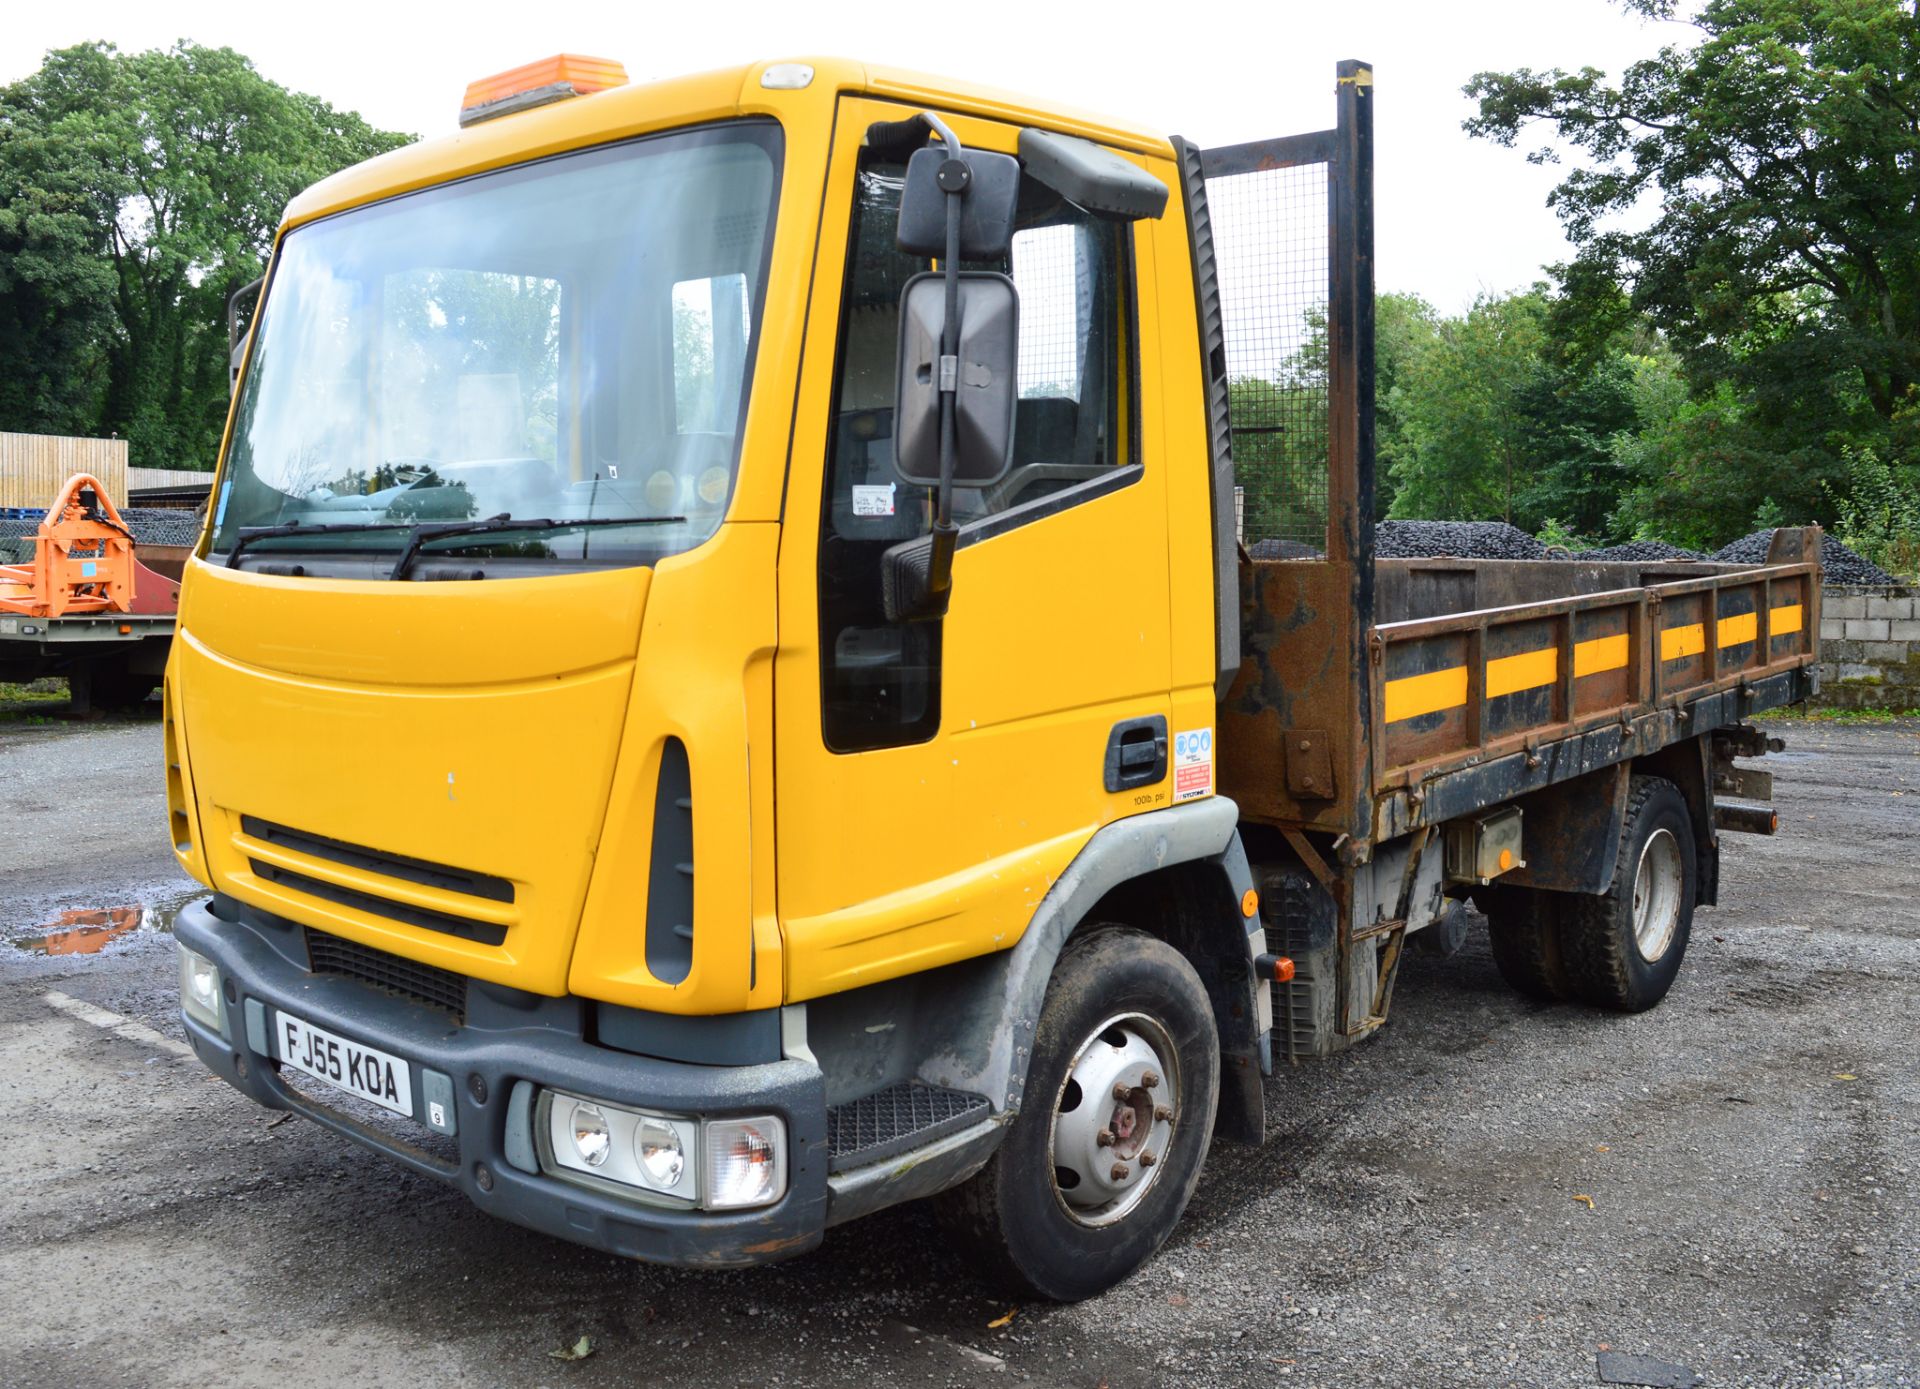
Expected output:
(534, 684)
(633, 790)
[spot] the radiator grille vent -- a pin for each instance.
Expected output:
(427, 985)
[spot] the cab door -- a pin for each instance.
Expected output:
(934, 779)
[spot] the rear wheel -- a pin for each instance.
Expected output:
(1120, 1097)
(108, 684)
(1523, 925)
(1623, 948)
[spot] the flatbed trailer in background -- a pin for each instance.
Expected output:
(109, 662)
(79, 600)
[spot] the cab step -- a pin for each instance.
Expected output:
(895, 1120)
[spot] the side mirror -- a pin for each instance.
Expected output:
(984, 388)
(959, 343)
(236, 339)
(990, 189)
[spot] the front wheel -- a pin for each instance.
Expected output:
(1104, 1154)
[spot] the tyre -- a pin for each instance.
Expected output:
(108, 684)
(1099, 1164)
(1524, 927)
(1623, 948)
(122, 690)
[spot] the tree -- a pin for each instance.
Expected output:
(138, 191)
(1463, 412)
(1405, 326)
(1783, 150)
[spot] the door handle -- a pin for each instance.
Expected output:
(1136, 753)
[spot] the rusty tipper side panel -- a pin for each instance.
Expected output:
(1295, 249)
(1510, 676)
(1478, 707)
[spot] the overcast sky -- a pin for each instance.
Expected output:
(1456, 216)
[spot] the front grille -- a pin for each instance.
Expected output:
(427, 985)
(485, 932)
(413, 870)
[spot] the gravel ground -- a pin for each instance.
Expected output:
(1749, 1149)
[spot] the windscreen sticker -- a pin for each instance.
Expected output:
(1192, 764)
(873, 499)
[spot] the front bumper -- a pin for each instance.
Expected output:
(496, 1064)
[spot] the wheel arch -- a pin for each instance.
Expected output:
(1178, 874)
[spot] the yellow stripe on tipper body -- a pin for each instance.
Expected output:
(1600, 655)
(1527, 671)
(1740, 628)
(1413, 695)
(1678, 643)
(1784, 620)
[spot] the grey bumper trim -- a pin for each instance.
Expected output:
(493, 1067)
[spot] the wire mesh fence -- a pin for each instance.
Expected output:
(1046, 268)
(1271, 230)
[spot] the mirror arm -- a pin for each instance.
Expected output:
(954, 177)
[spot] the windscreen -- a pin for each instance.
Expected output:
(548, 365)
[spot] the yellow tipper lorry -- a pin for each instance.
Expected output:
(723, 688)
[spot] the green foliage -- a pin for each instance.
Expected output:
(1780, 147)
(1782, 269)
(138, 191)
(1879, 513)
(1555, 534)
(1463, 413)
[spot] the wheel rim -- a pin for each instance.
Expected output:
(1656, 895)
(1114, 1118)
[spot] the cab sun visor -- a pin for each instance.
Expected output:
(1093, 178)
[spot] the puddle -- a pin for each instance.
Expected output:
(89, 930)
(83, 932)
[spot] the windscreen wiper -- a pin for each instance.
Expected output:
(248, 534)
(503, 522)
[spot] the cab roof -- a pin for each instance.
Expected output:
(728, 92)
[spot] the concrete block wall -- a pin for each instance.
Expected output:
(1870, 648)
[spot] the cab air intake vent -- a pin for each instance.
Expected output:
(670, 879)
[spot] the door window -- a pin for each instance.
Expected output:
(1075, 434)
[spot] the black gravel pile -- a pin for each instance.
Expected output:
(1839, 565)
(1283, 549)
(1640, 552)
(1454, 540)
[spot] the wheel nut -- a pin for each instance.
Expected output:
(1104, 1138)
(1120, 1090)
(1146, 1159)
(1150, 1079)
(1163, 1113)
(1120, 1172)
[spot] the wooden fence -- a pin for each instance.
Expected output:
(33, 466)
(138, 478)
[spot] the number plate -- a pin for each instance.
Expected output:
(352, 1066)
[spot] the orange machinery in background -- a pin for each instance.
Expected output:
(83, 562)
(84, 607)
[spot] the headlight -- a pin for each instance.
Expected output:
(656, 1143)
(200, 990)
(590, 1137)
(746, 1163)
(650, 1152)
